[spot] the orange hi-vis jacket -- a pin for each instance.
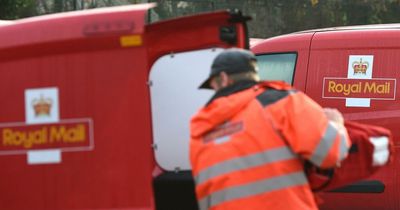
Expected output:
(247, 148)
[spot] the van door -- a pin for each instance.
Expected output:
(356, 71)
(74, 122)
(180, 54)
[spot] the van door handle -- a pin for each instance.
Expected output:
(368, 186)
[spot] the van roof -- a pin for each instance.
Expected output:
(75, 25)
(357, 27)
(5, 22)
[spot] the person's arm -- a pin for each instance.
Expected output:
(316, 134)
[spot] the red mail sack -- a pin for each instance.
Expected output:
(372, 148)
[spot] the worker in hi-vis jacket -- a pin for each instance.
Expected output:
(249, 142)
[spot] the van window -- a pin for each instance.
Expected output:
(277, 66)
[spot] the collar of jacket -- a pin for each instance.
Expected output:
(238, 86)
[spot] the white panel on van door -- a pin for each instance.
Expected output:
(175, 97)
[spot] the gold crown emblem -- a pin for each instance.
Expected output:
(360, 67)
(42, 106)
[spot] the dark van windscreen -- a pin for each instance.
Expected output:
(277, 66)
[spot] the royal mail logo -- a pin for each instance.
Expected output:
(44, 136)
(360, 67)
(67, 135)
(359, 87)
(223, 132)
(380, 89)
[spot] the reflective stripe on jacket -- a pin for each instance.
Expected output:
(246, 149)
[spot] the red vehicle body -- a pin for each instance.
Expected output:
(96, 104)
(76, 119)
(343, 68)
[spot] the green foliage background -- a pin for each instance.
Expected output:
(13, 9)
(270, 17)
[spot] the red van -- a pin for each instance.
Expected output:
(354, 69)
(95, 107)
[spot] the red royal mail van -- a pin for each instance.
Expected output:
(95, 107)
(354, 69)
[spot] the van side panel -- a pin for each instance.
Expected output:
(95, 151)
(365, 60)
(107, 87)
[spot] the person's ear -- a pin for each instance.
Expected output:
(215, 82)
(225, 81)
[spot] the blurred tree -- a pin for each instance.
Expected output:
(13, 9)
(274, 17)
(270, 17)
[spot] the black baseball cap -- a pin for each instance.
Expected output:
(231, 61)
